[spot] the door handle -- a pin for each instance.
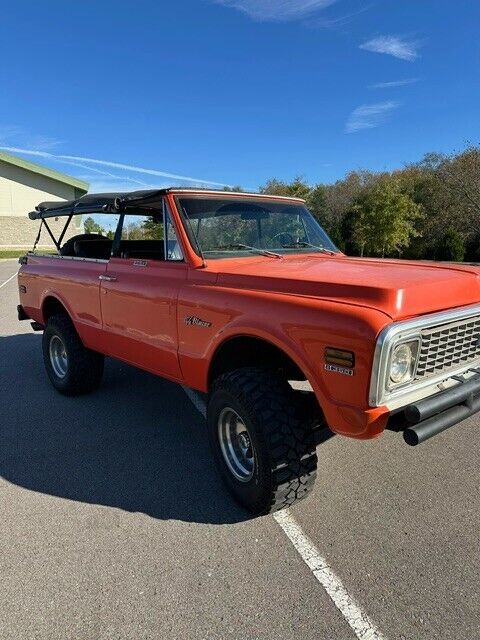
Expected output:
(107, 278)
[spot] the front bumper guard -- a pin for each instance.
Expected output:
(425, 418)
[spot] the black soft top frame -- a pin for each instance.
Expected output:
(148, 200)
(100, 203)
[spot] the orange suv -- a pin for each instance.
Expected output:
(242, 296)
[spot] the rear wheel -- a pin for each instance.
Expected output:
(72, 368)
(263, 449)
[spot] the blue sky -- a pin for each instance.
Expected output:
(237, 91)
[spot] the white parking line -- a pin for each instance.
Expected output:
(359, 622)
(7, 281)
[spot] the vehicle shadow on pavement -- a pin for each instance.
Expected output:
(136, 443)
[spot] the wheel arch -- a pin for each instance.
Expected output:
(246, 350)
(52, 305)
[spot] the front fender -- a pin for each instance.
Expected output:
(302, 328)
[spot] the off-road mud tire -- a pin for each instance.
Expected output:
(84, 369)
(284, 449)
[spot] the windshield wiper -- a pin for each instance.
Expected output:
(239, 246)
(301, 243)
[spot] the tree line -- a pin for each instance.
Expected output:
(427, 210)
(149, 229)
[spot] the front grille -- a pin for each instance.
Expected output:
(448, 346)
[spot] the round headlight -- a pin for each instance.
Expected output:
(401, 364)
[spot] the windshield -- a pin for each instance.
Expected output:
(226, 226)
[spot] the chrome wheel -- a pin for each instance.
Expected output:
(58, 357)
(236, 445)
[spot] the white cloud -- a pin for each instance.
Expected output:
(393, 46)
(117, 186)
(340, 21)
(18, 136)
(122, 179)
(369, 116)
(276, 9)
(393, 83)
(87, 162)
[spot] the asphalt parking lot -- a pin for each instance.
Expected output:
(113, 523)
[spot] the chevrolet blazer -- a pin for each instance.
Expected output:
(241, 296)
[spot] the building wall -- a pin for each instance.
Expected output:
(20, 192)
(20, 233)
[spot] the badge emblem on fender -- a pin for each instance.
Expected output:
(336, 369)
(198, 322)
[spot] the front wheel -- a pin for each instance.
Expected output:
(264, 452)
(72, 368)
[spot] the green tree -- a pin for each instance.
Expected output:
(423, 188)
(451, 246)
(448, 187)
(445, 189)
(152, 230)
(460, 177)
(91, 226)
(132, 231)
(298, 188)
(316, 202)
(385, 218)
(340, 199)
(235, 188)
(472, 248)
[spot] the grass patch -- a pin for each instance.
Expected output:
(18, 253)
(12, 253)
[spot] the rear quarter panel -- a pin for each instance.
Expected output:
(74, 283)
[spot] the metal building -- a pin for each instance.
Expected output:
(23, 185)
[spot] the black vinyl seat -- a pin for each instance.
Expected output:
(68, 248)
(97, 248)
(100, 249)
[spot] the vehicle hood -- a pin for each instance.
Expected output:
(398, 288)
